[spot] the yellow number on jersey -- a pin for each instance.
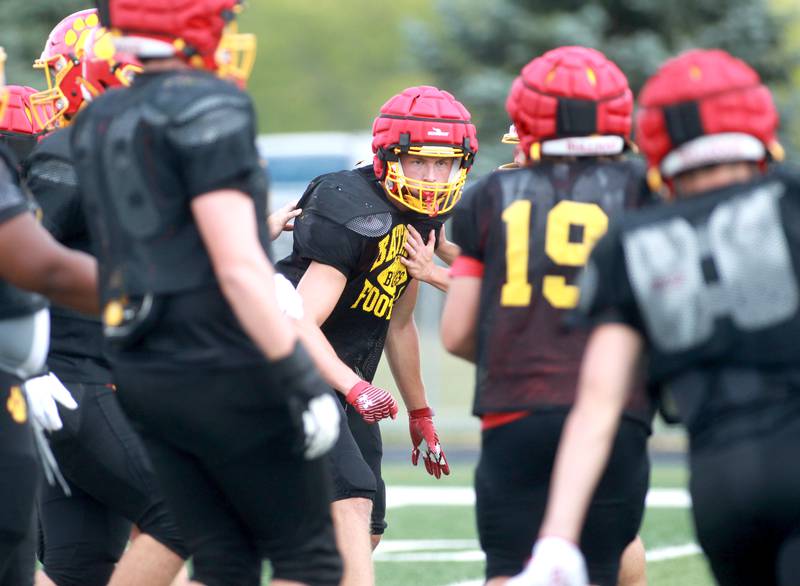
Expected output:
(516, 291)
(594, 222)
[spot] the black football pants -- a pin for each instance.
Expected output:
(228, 453)
(112, 485)
(746, 506)
(19, 480)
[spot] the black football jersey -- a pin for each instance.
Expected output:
(76, 340)
(707, 279)
(533, 229)
(712, 285)
(142, 155)
(348, 223)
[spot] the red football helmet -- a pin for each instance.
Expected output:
(19, 128)
(60, 62)
(189, 29)
(103, 67)
(428, 122)
(571, 101)
(705, 107)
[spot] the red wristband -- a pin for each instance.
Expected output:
(423, 412)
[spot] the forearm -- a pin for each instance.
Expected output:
(335, 372)
(402, 353)
(249, 290)
(439, 277)
(448, 252)
(73, 283)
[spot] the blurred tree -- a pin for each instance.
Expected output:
(477, 52)
(26, 24)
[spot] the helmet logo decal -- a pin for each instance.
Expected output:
(436, 131)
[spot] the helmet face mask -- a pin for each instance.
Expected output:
(236, 55)
(3, 89)
(421, 195)
(103, 67)
(423, 122)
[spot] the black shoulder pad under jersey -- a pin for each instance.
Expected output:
(51, 161)
(348, 198)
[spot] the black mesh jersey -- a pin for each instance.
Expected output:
(13, 202)
(533, 229)
(142, 155)
(349, 224)
(76, 340)
(712, 284)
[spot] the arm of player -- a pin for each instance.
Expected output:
(227, 223)
(419, 262)
(403, 355)
(607, 372)
(460, 316)
(446, 250)
(320, 288)
(66, 276)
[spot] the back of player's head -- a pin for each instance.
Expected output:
(157, 29)
(571, 101)
(428, 122)
(702, 108)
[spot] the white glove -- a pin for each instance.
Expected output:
(555, 562)
(289, 300)
(42, 393)
(321, 426)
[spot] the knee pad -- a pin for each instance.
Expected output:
(315, 562)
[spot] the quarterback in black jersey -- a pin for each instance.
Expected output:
(111, 481)
(524, 234)
(346, 262)
(707, 288)
(233, 415)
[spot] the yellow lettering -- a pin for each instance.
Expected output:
(364, 291)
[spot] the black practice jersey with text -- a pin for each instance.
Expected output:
(533, 228)
(348, 223)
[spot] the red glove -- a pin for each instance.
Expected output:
(420, 424)
(372, 403)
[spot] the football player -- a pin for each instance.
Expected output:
(708, 288)
(232, 413)
(30, 259)
(524, 233)
(111, 481)
(348, 245)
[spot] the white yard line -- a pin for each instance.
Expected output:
(462, 496)
(655, 555)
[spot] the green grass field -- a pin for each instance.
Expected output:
(448, 532)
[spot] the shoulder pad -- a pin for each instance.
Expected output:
(349, 198)
(51, 160)
(203, 109)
